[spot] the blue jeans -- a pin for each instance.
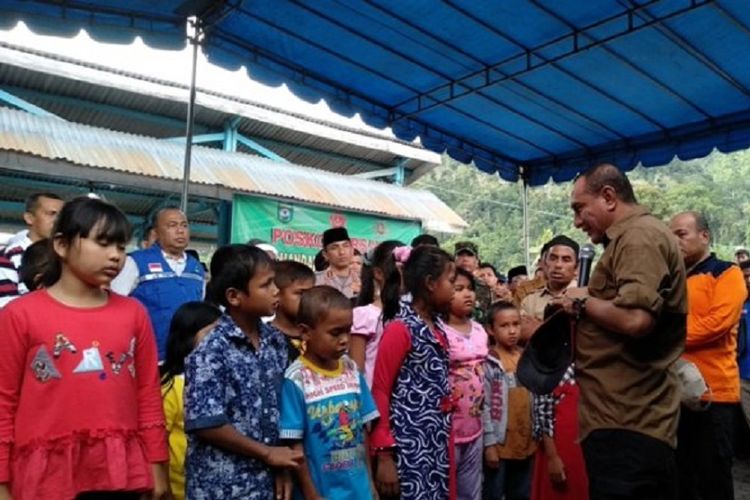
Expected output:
(512, 479)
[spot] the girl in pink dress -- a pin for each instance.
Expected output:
(80, 407)
(380, 275)
(468, 349)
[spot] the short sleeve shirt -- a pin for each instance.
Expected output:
(349, 285)
(625, 382)
(368, 323)
(534, 303)
(328, 410)
(230, 382)
(467, 352)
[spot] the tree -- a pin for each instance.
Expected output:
(716, 185)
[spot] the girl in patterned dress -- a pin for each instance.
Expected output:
(411, 388)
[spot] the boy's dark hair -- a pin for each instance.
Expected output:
(35, 261)
(32, 201)
(233, 266)
(189, 318)
(608, 175)
(380, 258)
(483, 265)
(466, 274)
(500, 305)
(424, 239)
(290, 271)
(78, 218)
(317, 301)
(425, 262)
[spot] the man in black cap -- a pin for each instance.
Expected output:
(467, 258)
(560, 266)
(516, 276)
(339, 253)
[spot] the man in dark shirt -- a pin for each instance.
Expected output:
(631, 330)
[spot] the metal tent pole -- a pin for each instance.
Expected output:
(525, 198)
(195, 23)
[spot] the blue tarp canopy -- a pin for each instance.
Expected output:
(532, 88)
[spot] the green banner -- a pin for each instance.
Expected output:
(296, 229)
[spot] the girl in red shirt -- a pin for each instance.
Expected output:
(80, 407)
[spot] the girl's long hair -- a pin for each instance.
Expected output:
(187, 321)
(425, 262)
(380, 258)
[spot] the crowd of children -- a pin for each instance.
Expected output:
(404, 395)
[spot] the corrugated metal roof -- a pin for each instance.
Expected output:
(55, 139)
(81, 92)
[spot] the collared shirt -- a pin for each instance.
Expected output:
(628, 383)
(230, 382)
(127, 280)
(534, 304)
(526, 288)
(349, 285)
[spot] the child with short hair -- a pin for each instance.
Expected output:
(506, 415)
(80, 410)
(468, 349)
(412, 438)
(292, 279)
(232, 383)
(326, 404)
(190, 324)
(367, 328)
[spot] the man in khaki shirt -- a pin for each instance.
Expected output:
(560, 256)
(631, 331)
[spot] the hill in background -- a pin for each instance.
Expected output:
(717, 185)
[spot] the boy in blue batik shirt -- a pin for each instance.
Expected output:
(325, 403)
(232, 388)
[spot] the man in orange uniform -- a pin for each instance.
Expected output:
(716, 293)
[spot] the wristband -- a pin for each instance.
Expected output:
(579, 306)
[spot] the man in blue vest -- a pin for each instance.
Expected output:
(163, 276)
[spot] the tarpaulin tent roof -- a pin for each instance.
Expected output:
(539, 87)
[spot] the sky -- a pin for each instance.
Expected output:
(174, 66)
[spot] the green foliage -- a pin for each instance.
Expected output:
(717, 185)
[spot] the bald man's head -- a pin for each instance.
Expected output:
(172, 231)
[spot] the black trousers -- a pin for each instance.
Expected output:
(705, 442)
(626, 465)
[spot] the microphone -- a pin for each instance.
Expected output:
(585, 258)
